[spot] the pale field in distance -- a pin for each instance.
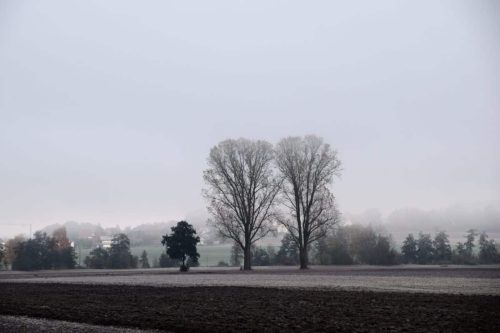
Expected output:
(483, 280)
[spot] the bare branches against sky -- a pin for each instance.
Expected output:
(109, 109)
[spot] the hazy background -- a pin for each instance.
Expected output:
(108, 109)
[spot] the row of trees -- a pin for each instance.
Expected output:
(252, 186)
(428, 250)
(40, 252)
(356, 244)
(346, 245)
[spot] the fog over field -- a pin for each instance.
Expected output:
(108, 110)
(249, 166)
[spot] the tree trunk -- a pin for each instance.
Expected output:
(303, 257)
(247, 258)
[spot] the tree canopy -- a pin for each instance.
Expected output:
(181, 244)
(241, 191)
(43, 252)
(117, 256)
(307, 166)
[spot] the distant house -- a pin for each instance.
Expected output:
(105, 242)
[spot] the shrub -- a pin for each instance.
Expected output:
(488, 253)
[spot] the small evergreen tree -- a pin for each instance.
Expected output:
(288, 254)
(464, 252)
(409, 249)
(442, 247)
(469, 243)
(181, 244)
(425, 250)
(488, 253)
(144, 260)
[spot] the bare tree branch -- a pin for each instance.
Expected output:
(307, 166)
(241, 191)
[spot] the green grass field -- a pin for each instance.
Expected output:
(210, 255)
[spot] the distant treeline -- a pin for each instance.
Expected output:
(40, 252)
(345, 245)
(437, 250)
(356, 244)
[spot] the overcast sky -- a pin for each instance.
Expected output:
(108, 109)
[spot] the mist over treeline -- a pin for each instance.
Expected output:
(456, 218)
(86, 233)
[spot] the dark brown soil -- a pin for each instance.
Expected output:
(236, 309)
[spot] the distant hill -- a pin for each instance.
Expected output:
(77, 230)
(148, 234)
(457, 218)
(88, 234)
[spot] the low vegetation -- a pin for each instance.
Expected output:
(344, 245)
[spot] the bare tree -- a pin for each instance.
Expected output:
(241, 191)
(307, 166)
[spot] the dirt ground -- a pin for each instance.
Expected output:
(431, 279)
(27, 324)
(465, 271)
(242, 309)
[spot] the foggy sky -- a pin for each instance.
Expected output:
(108, 109)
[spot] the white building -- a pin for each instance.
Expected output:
(106, 242)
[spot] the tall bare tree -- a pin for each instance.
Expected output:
(307, 166)
(241, 191)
